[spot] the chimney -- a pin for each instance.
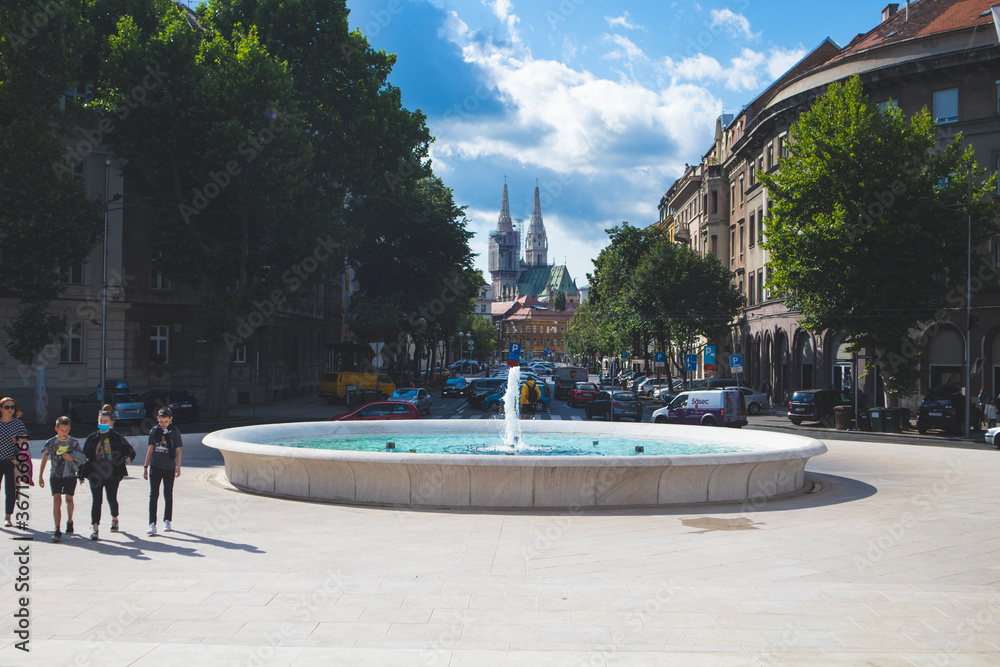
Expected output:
(889, 10)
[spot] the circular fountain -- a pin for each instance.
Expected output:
(758, 465)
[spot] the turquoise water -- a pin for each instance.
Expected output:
(536, 444)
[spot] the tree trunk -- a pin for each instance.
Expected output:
(41, 392)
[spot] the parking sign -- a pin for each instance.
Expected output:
(736, 363)
(691, 362)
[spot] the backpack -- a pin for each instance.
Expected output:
(533, 393)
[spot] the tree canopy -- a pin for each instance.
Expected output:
(868, 218)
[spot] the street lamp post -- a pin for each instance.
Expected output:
(108, 199)
(968, 319)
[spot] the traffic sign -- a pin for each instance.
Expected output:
(624, 355)
(377, 348)
(472, 344)
(736, 363)
(514, 354)
(659, 359)
(545, 351)
(378, 361)
(709, 354)
(691, 362)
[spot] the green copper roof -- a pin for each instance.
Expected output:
(536, 279)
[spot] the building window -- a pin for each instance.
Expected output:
(732, 244)
(760, 285)
(732, 197)
(741, 242)
(887, 105)
(71, 351)
(72, 274)
(158, 281)
(946, 106)
(751, 294)
(998, 97)
(715, 201)
(742, 190)
(753, 175)
(159, 348)
(240, 354)
(760, 224)
(753, 226)
(767, 292)
(783, 146)
(770, 155)
(760, 162)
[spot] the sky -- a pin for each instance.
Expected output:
(600, 103)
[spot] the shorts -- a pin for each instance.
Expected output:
(63, 485)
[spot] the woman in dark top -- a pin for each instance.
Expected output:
(107, 451)
(12, 430)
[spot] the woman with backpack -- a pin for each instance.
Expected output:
(163, 464)
(530, 395)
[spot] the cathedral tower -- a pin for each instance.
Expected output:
(505, 245)
(536, 247)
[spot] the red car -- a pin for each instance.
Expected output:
(581, 393)
(381, 410)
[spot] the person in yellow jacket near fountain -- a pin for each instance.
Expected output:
(530, 394)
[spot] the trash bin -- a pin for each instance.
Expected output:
(864, 422)
(890, 420)
(842, 415)
(353, 398)
(904, 419)
(875, 416)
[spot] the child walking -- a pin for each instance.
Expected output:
(163, 464)
(66, 457)
(107, 452)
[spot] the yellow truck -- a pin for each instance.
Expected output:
(333, 386)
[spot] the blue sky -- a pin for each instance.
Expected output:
(602, 102)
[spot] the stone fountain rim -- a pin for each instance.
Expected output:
(770, 446)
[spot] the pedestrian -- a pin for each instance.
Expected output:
(163, 464)
(991, 412)
(530, 395)
(12, 434)
(982, 404)
(66, 456)
(107, 452)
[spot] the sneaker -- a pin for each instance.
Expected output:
(93, 535)
(152, 529)
(69, 527)
(166, 527)
(57, 536)
(114, 525)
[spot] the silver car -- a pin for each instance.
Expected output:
(756, 401)
(421, 398)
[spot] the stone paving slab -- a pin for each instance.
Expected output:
(895, 561)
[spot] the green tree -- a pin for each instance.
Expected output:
(611, 287)
(559, 302)
(682, 295)
(864, 223)
(584, 333)
(46, 222)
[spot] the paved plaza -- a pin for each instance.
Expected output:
(894, 559)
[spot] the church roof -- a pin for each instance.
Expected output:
(534, 280)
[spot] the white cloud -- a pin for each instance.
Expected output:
(736, 25)
(749, 71)
(628, 51)
(623, 21)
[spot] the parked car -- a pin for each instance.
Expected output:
(633, 384)
(418, 396)
(181, 402)
(756, 401)
(494, 402)
(944, 408)
(817, 405)
(566, 378)
(126, 404)
(614, 405)
(480, 388)
(381, 410)
(455, 387)
(993, 437)
(582, 393)
(649, 385)
(709, 407)
(607, 382)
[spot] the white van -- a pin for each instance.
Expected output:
(711, 407)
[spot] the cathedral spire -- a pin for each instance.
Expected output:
(504, 223)
(537, 242)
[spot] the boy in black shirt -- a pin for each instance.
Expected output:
(163, 464)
